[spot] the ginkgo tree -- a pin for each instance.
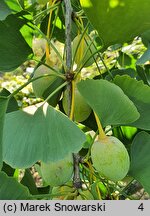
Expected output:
(89, 136)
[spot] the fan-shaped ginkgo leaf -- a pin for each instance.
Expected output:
(39, 133)
(112, 106)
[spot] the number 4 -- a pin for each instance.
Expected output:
(141, 207)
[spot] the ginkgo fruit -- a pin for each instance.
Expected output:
(81, 109)
(59, 172)
(84, 50)
(40, 85)
(110, 158)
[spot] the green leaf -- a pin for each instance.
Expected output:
(129, 71)
(17, 21)
(8, 169)
(13, 48)
(112, 106)
(53, 101)
(4, 10)
(128, 132)
(124, 59)
(3, 107)
(10, 189)
(27, 33)
(118, 21)
(143, 72)
(145, 57)
(29, 182)
(13, 5)
(140, 158)
(22, 22)
(12, 104)
(139, 93)
(40, 133)
(146, 38)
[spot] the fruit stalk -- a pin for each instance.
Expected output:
(81, 45)
(102, 134)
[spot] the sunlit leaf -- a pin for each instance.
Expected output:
(118, 21)
(109, 102)
(39, 134)
(13, 5)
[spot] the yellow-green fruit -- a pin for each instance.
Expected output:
(81, 109)
(110, 158)
(86, 52)
(41, 84)
(59, 172)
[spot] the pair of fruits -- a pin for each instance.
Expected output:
(42, 87)
(109, 156)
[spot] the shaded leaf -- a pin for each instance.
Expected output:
(124, 59)
(146, 38)
(90, 122)
(8, 169)
(3, 107)
(12, 104)
(128, 71)
(118, 21)
(143, 72)
(10, 189)
(109, 102)
(29, 182)
(41, 133)
(139, 93)
(22, 22)
(140, 158)
(13, 48)
(54, 85)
